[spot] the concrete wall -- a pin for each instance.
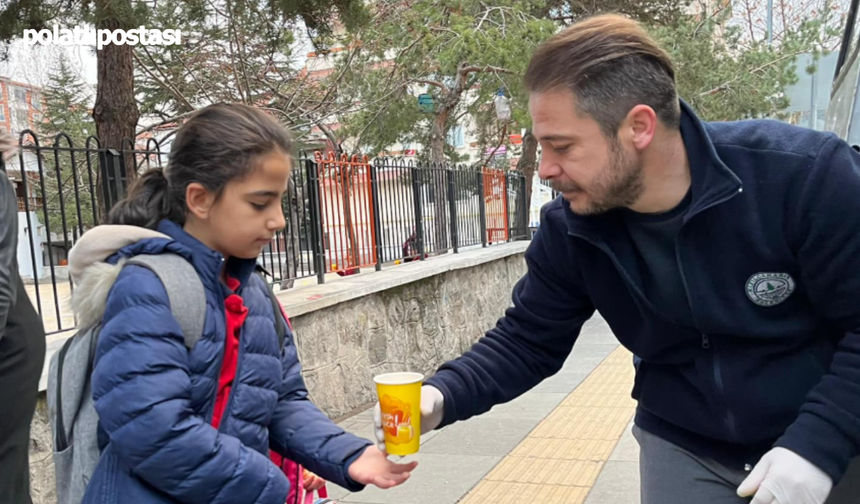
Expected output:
(412, 327)
(412, 317)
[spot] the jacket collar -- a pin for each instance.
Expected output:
(712, 182)
(206, 261)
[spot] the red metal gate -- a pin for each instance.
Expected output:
(346, 201)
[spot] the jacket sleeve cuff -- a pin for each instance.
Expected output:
(349, 483)
(821, 443)
(449, 412)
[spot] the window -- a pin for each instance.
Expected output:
(20, 119)
(457, 136)
(19, 94)
(2, 113)
(36, 100)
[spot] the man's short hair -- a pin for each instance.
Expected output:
(611, 64)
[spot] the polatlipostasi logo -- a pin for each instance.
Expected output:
(101, 37)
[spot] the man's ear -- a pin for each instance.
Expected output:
(641, 122)
(199, 200)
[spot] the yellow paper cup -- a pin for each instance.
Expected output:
(400, 402)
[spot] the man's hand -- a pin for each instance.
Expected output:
(374, 468)
(432, 409)
(784, 477)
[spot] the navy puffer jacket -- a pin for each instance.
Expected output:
(155, 399)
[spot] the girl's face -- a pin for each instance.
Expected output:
(248, 213)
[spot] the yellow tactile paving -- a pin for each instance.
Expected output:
(501, 492)
(573, 449)
(560, 460)
(549, 471)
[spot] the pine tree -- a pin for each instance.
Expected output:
(67, 106)
(67, 111)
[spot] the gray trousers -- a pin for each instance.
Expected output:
(671, 475)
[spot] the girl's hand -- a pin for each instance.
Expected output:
(373, 467)
(312, 482)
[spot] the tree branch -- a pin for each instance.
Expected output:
(485, 69)
(437, 84)
(166, 121)
(724, 86)
(231, 31)
(194, 78)
(334, 85)
(242, 66)
(444, 30)
(163, 84)
(367, 126)
(483, 161)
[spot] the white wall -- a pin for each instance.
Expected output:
(25, 261)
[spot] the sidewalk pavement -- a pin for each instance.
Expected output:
(567, 441)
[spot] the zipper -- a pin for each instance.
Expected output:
(211, 411)
(706, 345)
(706, 342)
(629, 281)
(226, 412)
(721, 389)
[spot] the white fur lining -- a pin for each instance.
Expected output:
(90, 295)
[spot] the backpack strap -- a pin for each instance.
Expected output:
(184, 290)
(280, 323)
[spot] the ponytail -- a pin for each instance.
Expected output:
(147, 203)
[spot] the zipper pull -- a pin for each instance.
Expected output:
(706, 342)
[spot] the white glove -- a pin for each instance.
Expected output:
(784, 477)
(432, 409)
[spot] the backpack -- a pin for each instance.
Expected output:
(72, 414)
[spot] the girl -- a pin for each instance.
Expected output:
(179, 426)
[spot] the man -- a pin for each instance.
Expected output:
(22, 352)
(725, 256)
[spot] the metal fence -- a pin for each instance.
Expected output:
(342, 213)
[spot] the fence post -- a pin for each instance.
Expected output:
(482, 207)
(452, 208)
(377, 223)
(419, 215)
(524, 209)
(113, 177)
(509, 200)
(317, 245)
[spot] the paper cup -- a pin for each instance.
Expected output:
(400, 402)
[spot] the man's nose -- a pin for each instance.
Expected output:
(548, 168)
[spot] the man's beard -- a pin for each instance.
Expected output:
(619, 184)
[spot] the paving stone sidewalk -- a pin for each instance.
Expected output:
(567, 441)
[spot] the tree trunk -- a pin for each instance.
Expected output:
(115, 112)
(528, 163)
(437, 137)
(438, 184)
(292, 244)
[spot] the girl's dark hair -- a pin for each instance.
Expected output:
(217, 144)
